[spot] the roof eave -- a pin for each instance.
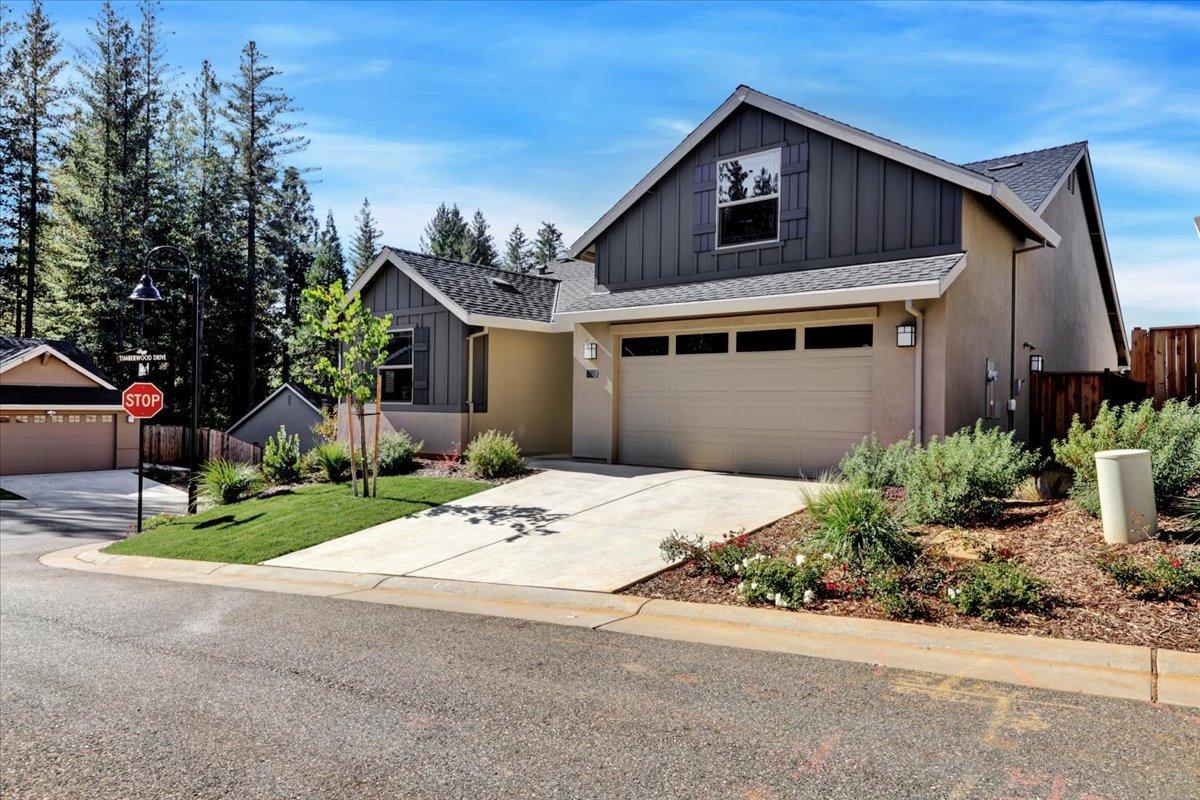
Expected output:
(49, 348)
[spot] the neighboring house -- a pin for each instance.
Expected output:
(294, 406)
(58, 413)
(780, 285)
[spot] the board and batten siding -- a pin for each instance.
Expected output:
(392, 292)
(860, 207)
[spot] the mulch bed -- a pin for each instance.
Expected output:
(1055, 540)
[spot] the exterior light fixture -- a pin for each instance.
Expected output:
(906, 334)
(145, 291)
(1037, 363)
(591, 351)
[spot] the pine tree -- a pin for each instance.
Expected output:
(549, 244)
(518, 253)
(365, 244)
(328, 268)
(329, 253)
(151, 70)
(11, 191)
(261, 132)
(446, 233)
(291, 239)
(35, 115)
(479, 247)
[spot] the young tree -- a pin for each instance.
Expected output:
(362, 338)
(261, 133)
(518, 253)
(365, 244)
(446, 233)
(549, 244)
(480, 248)
(328, 267)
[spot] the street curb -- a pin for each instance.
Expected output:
(1095, 668)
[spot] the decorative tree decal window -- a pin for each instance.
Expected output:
(748, 199)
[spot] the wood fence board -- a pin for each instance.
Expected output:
(169, 444)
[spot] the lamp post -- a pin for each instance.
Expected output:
(147, 292)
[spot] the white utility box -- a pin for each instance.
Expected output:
(1126, 495)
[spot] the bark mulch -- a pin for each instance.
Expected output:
(1059, 543)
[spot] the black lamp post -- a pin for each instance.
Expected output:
(147, 292)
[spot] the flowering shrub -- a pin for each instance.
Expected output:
(787, 583)
(281, 457)
(396, 452)
(722, 559)
(495, 455)
(871, 463)
(993, 589)
(1164, 578)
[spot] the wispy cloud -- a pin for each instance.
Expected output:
(294, 35)
(1149, 165)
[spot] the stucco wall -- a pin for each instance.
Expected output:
(529, 390)
(894, 380)
(127, 441)
(51, 373)
(441, 432)
(593, 421)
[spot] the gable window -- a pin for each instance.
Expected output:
(748, 199)
(833, 337)
(397, 369)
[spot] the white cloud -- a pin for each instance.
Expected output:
(1150, 165)
(681, 127)
(293, 35)
(1158, 279)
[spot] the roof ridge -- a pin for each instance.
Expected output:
(499, 270)
(1081, 142)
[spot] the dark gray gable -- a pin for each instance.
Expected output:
(839, 205)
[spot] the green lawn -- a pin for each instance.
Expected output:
(5, 494)
(255, 530)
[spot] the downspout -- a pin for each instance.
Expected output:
(919, 374)
(471, 385)
(1012, 334)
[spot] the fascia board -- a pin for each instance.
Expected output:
(47, 348)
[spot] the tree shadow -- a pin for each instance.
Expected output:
(522, 520)
(226, 521)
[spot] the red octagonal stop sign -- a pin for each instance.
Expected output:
(142, 400)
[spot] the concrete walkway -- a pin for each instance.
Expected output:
(592, 527)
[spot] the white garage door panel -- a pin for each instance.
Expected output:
(781, 413)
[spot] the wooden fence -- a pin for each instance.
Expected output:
(168, 444)
(1165, 359)
(1056, 397)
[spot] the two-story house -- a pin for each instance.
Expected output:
(776, 288)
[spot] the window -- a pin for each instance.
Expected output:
(835, 336)
(39, 418)
(5, 419)
(694, 344)
(748, 199)
(56, 419)
(91, 418)
(397, 369)
(638, 346)
(768, 341)
(73, 418)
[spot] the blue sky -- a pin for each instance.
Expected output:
(553, 110)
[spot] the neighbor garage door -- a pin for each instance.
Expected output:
(66, 441)
(782, 401)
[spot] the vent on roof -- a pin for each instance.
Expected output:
(1005, 165)
(1071, 182)
(503, 285)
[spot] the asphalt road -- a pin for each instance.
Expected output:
(114, 687)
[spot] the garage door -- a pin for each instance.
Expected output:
(780, 401)
(66, 441)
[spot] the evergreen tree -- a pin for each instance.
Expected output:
(292, 234)
(35, 117)
(261, 132)
(446, 233)
(518, 253)
(151, 70)
(328, 269)
(11, 191)
(549, 244)
(329, 246)
(479, 247)
(365, 244)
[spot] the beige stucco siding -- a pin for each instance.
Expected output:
(45, 370)
(441, 432)
(593, 421)
(529, 389)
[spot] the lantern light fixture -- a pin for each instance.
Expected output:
(591, 351)
(1037, 363)
(906, 334)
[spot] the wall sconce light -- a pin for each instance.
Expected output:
(591, 351)
(906, 334)
(1037, 363)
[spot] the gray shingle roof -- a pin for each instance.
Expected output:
(911, 270)
(1034, 173)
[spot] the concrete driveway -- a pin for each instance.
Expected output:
(91, 504)
(573, 526)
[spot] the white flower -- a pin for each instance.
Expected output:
(753, 585)
(808, 596)
(799, 559)
(741, 585)
(952, 593)
(737, 568)
(779, 601)
(828, 556)
(745, 562)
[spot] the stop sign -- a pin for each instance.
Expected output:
(142, 400)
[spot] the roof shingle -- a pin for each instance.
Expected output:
(1032, 175)
(486, 290)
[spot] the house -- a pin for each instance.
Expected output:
(58, 413)
(777, 287)
(294, 406)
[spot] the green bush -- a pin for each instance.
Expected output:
(966, 476)
(871, 463)
(854, 523)
(281, 457)
(785, 582)
(890, 588)
(723, 559)
(993, 589)
(1162, 578)
(332, 459)
(1171, 434)
(224, 482)
(397, 452)
(150, 523)
(495, 455)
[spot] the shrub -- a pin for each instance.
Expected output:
(223, 481)
(723, 559)
(327, 429)
(397, 452)
(965, 476)
(785, 582)
(158, 520)
(1171, 434)
(993, 589)
(281, 457)
(1163, 578)
(332, 459)
(889, 588)
(870, 463)
(495, 455)
(854, 523)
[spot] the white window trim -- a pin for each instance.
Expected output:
(777, 197)
(409, 330)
